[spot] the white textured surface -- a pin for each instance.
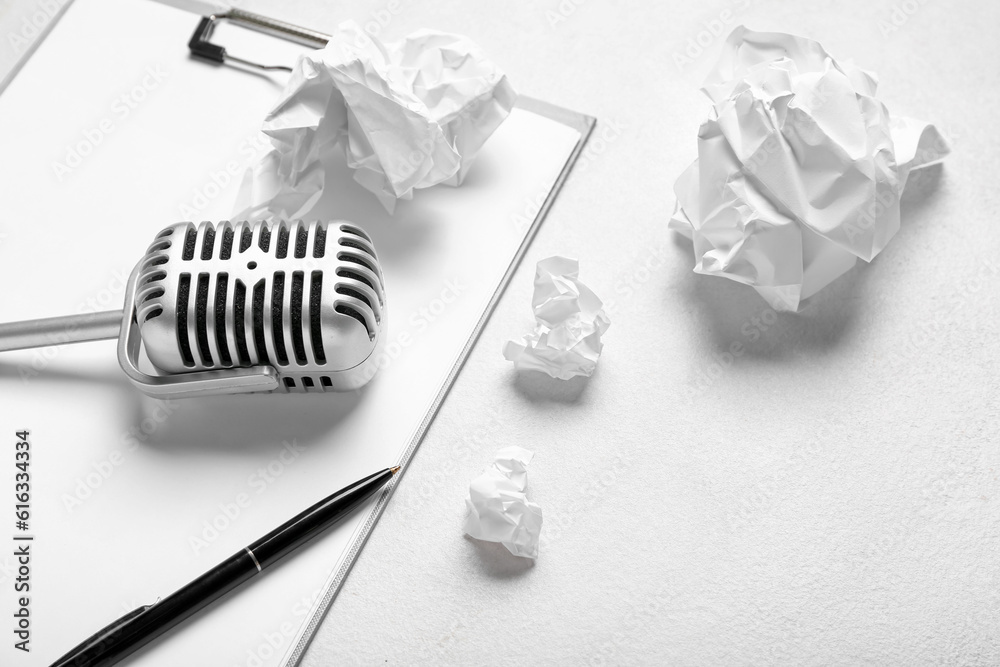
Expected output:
(830, 497)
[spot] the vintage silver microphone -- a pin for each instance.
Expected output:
(247, 307)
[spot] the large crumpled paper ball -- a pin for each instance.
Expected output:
(406, 115)
(800, 168)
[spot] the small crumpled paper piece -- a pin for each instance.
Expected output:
(406, 115)
(570, 322)
(800, 168)
(499, 510)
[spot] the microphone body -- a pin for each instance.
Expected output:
(238, 307)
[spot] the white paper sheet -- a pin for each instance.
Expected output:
(135, 497)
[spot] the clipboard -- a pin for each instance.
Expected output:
(111, 134)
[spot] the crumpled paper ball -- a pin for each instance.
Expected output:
(800, 168)
(406, 115)
(499, 510)
(570, 321)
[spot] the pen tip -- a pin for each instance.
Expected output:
(394, 469)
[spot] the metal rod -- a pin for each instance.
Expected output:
(60, 330)
(276, 28)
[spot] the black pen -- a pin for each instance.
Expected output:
(141, 626)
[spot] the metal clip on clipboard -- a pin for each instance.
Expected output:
(202, 47)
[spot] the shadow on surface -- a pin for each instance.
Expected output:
(482, 174)
(16, 377)
(254, 422)
(496, 562)
(25, 373)
(395, 241)
(538, 387)
(250, 422)
(276, 82)
(922, 188)
(731, 313)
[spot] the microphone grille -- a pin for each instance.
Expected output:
(305, 298)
